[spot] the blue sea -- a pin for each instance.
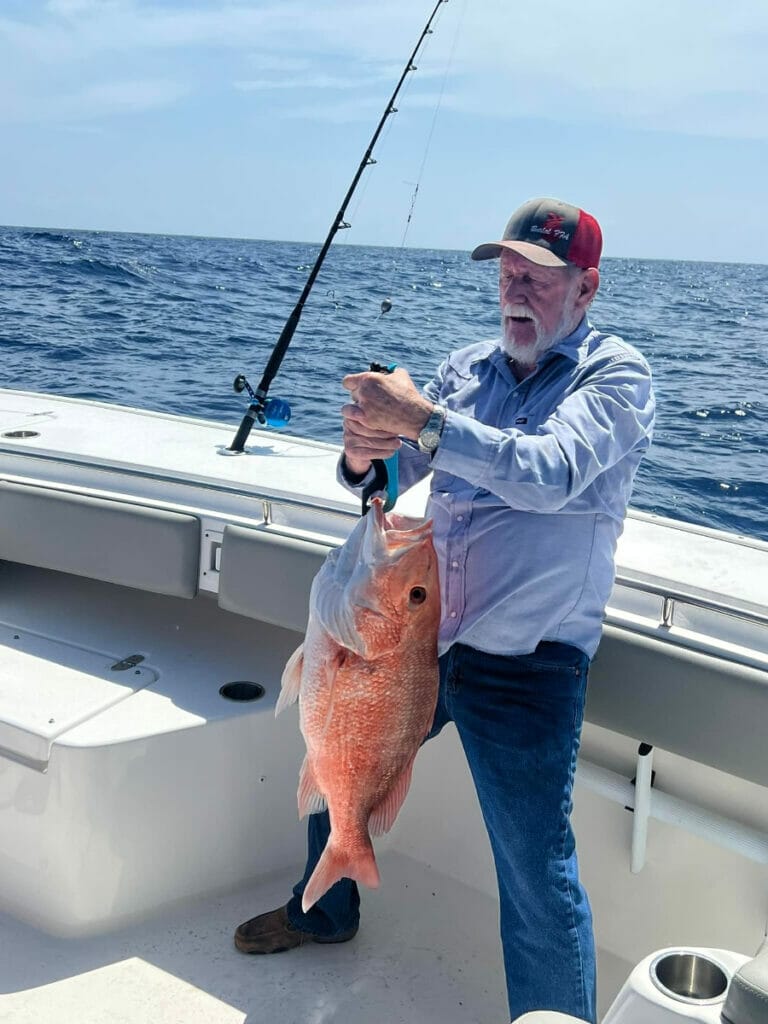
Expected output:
(166, 323)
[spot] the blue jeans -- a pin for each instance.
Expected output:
(519, 720)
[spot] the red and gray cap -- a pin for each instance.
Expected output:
(551, 233)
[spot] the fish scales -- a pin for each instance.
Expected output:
(366, 679)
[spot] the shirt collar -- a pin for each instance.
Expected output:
(571, 346)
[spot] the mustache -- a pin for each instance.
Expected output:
(518, 309)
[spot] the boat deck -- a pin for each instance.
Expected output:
(427, 952)
(126, 795)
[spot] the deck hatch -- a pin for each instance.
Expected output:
(48, 686)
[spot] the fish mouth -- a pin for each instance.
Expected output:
(395, 533)
(342, 588)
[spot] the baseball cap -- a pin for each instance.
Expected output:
(549, 232)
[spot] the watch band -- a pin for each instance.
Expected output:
(429, 437)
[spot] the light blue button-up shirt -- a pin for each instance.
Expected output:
(530, 488)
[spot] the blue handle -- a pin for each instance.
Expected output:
(393, 481)
(390, 464)
(383, 467)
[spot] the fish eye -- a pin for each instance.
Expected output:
(418, 595)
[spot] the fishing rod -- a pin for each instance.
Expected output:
(275, 411)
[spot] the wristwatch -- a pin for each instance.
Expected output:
(429, 438)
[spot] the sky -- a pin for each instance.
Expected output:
(248, 119)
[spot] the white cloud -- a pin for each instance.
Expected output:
(92, 102)
(305, 82)
(124, 97)
(646, 66)
(308, 79)
(72, 8)
(643, 65)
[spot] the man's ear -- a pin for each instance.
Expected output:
(590, 282)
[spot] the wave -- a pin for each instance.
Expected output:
(68, 354)
(116, 273)
(47, 236)
(720, 412)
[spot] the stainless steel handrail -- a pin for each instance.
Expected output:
(670, 596)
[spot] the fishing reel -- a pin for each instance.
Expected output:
(274, 412)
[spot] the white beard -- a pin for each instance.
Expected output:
(525, 355)
(529, 355)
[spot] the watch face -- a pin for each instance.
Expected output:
(429, 438)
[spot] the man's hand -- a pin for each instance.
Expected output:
(388, 402)
(384, 405)
(362, 445)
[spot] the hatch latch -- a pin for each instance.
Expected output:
(130, 662)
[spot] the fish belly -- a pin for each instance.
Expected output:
(363, 728)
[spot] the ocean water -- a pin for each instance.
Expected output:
(166, 323)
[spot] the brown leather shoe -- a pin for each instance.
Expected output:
(273, 933)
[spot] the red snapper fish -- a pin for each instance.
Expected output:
(366, 679)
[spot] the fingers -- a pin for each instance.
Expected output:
(352, 381)
(354, 418)
(387, 402)
(360, 456)
(363, 443)
(369, 383)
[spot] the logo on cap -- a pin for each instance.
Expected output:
(552, 228)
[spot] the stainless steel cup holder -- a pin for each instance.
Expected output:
(689, 977)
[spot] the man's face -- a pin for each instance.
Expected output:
(539, 305)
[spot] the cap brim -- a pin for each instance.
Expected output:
(531, 251)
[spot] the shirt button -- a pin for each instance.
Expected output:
(455, 565)
(459, 519)
(453, 615)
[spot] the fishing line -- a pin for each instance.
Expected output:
(408, 85)
(420, 175)
(386, 304)
(260, 408)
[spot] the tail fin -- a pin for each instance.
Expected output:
(335, 864)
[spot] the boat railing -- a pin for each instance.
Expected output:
(671, 596)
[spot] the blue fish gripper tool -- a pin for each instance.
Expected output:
(385, 473)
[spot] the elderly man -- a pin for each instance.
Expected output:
(533, 440)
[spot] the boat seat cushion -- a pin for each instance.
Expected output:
(113, 541)
(267, 576)
(747, 1001)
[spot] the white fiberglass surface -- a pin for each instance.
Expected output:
(719, 566)
(192, 647)
(49, 686)
(427, 953)
(174, 448)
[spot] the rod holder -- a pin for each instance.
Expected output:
(642, 808)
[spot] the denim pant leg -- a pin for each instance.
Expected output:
(339, 909)
(519, 720)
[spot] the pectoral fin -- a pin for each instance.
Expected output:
(291, 680)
